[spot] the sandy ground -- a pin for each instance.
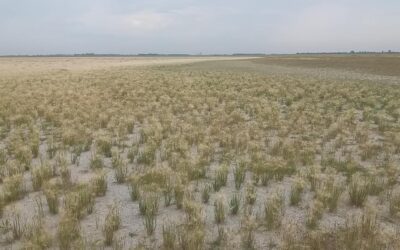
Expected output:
(11, 66)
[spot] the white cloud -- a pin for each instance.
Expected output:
(335, 26)
(126, 24)
(190, 26)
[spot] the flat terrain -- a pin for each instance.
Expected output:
(289, 152)
(387, 65)
(39, 65)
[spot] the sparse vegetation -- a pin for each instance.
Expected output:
(219, 156)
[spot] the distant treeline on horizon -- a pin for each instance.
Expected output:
(345, 53)
(200, 55)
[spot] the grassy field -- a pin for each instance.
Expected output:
(379, 64)
(290, 152)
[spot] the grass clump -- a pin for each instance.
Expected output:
(134, 190)
(205, 194)
(234, 204)
(169, 236)
(148, 206)
(37, 237)
(99, 184)
(68, 231)
(168, 192)
(394, 203)
(295, 193)
(239, 174)
(104, 146)
(52, 197)
(358, 191)
(65, 174)
(219, 210)
(329, 192)
(79, 201)
(121, 172)
(251, 194)
(314, 214)
(96, 161)
(221, 240)
(111, 224)
(273, 211)
(132, 153)
(41, 175)
(179, 193)
(13, 188)
(221, 177)
(24, 155)
(191, 234)
(247, 230)
(362, 232)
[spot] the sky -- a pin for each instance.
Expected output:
(31, 27)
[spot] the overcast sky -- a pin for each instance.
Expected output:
(203, 26)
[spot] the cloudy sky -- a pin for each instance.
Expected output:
(202, 26)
